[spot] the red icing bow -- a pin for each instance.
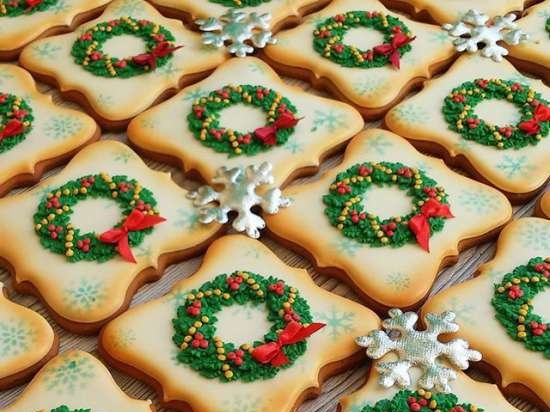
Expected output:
(119, 235)
(272, 352)
(13, 128)
(392, 49)
(532, 126)
(268, 134)
(161, 49)
(420, 224)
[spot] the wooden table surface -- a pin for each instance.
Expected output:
(334, 388)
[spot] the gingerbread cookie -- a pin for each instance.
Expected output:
(416, 371)
(434, 11)
(292, 334)
(123, 62)
(22, 21)
(362, 53)
(487, 118)
(75, 382)
(387, 219)
(27, 341)
(251, 116)
(542, 208)
(96, 232)
(503, 311)
(35, 134)
(533, 56)
(283, 12)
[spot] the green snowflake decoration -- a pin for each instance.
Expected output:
(15, 338)
(85, 296)
(338, 322)
(62, 127)
(75, 372)
(514, 167)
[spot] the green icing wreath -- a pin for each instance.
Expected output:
(328, 39)
(513, 304)
(64, 408)
(209, 355)
(459, 112)
(53, 218)
(547, 25)
(422, 401)
(16, 8)
(345, 209)
(159, 43)
(15, 121)
(240, 3)
(204, 120)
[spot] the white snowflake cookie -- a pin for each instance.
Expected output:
(475, 28)
(239, 195)
(420, 349)
(242, 30)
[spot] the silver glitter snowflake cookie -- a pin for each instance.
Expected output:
(418, 349)
(244, 31)
(475, 28)
(239, 195)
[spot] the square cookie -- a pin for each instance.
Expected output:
(123, 62)
(502, 310)
(500, 138)
(20, 24)
(221, 119)
(35, 134)
(362, 53)
(86, 239)
(199, 361)
(362, 221)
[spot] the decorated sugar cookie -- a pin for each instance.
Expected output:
(486, 117)
(291, 333)
(282, 12)
(362, 53)
(387, 219)
(533, 56)
(543, 206)
(96, 232)
(435, 11)
(123, 62)
(503, 311)
(27, 341)
(35, 134)
(22, 21)
(75, 381)
(244, 114)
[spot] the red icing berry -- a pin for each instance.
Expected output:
(515, 292)
(199, 341)
(338, 48)
(538, 329)
(364, 171)
(340, 18)
(483, 83)
(277, 288)
(95, 55)
(405, 172)
(343, 188)
(121, 63)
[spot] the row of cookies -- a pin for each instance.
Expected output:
(411, 372)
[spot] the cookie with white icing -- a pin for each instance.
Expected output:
(533, 56)
(362, 53)
(245, 114)
(487, 118)
(75, 381)
(123, 62)
(388, 219)
(27, 341)
(292, 334)
(465, 393)
(438, 12)
(283, 12)
(542, 208)
(86, 239)
(503, 310)
(35, 134)
(23, 21)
